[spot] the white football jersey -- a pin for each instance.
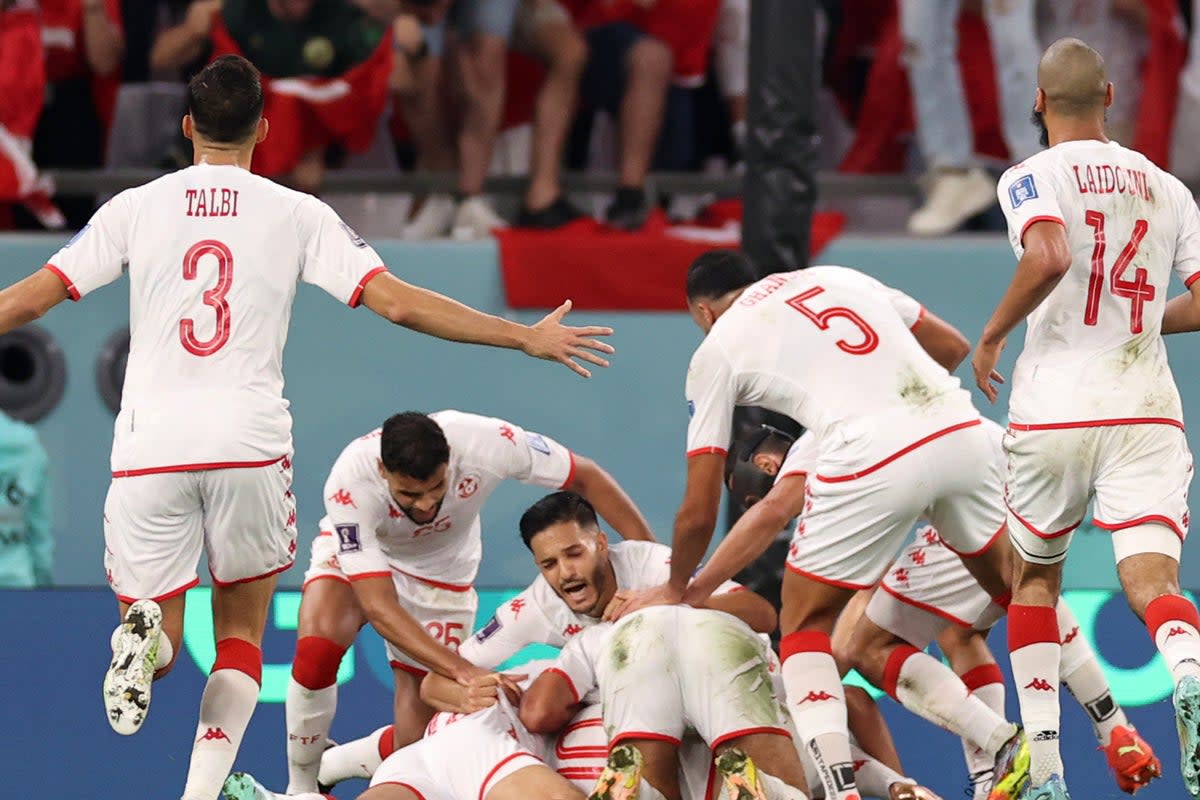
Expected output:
(539, 616)
(833, 349)
(376, 537)
(214, 254)
(1093, 348)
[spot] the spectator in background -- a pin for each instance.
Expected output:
(959, 188)
(325, 67)
(731, 57)
(26, 540)
(480, 32)
(22, 90)
(628, 74)
(84, 45)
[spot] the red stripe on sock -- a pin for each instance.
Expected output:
(1167, 608)
(1003, 600)
(240, 655)
(982, 676)
(804, 642)
(1031, 625)
(895, 663)
(316, 663)
(387, 741)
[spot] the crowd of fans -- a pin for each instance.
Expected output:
(939, 88)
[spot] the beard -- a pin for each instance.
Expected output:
(1038, 119)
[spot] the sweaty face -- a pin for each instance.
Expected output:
(419, 500)
(574, 561)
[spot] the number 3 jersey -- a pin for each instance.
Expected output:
(214, 254)
(1093, 348)
(833, 349)
(374, 536)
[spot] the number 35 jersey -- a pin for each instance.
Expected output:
(214, 254)
(833, 349)
(1093, 348)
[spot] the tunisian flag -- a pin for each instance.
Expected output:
(307, 114)
(22, 89)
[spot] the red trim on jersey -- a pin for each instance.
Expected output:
(937, 612)
(563, 752)
(1040, 218)
(483, 787)
(1038, 533)
(134, 473)
(829, 581)
(62, 276)
(700, 451)
(920, 319)
(161, 597)
(1120, 526)
(275, 571)
(362, 284)
(1195, 276)
(720, 740)
(654, 737)
(803, 473)
(409, 668)
(580, 773)
(1096, 423)
(905, 451)
(450, 587)
(567, 678)
(316, 578)
(410, 787)
(570, 473)
(362, 576)
(987, 546)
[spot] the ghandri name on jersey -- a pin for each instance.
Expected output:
(1112, 179)
(212, 202)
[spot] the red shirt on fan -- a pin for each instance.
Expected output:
(22, 72)
(62, 38)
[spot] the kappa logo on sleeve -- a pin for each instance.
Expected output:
(348, 541)
(355, 239)
(489, 630)
(536, 442)
(1022, 189)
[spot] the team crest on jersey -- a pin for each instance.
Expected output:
(468, 486)
(355, 239)
(536, 442)
(487, 631)
(77, 236)
(1022, 189)
(348, 541)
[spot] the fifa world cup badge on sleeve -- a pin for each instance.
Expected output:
(1022, 189)
(348, 541)
(355, 239)
(536, 442)
(488, 630)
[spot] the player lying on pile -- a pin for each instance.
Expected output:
(928, 595)
(399, 547)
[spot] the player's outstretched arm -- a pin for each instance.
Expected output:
(609, 499)
(944, 343)
(1182, 314)
(749, 538)
(377, 597)
(1046, 260)
(29, 299)
(548, 704)
(437, 315)
(482, 691)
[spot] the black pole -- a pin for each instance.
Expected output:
(780, 189)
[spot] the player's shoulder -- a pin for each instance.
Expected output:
(360, 453)
(472, 434)
(631, 551)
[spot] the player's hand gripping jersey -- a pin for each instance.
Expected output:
(364, 533)
(831, 348)
(539, 616)
(214, 254)
(1093, 348)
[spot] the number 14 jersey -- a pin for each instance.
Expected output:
(1093, 349)
(214, 254)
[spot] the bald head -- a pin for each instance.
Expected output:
(1072, 76)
